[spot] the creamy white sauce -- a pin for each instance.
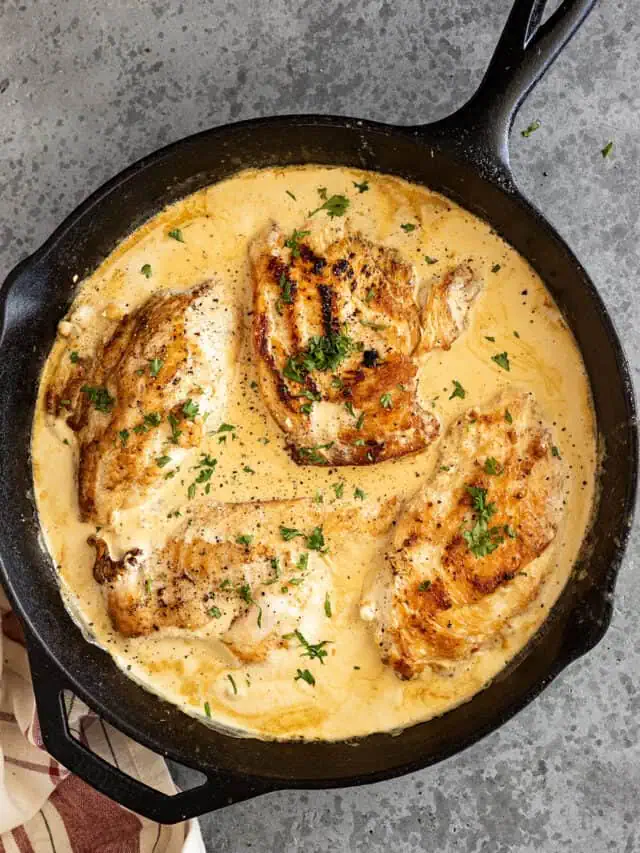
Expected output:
(354, 693)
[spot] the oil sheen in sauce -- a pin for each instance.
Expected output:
(354, 693)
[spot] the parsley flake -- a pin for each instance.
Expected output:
(190, 409)
(336, 205)
(363, 187)
(100, 397)
(146, 270)
(408, 227)
(502, 360)
(386, 401)
(305, 675)
(293, 242)
(155, 366)
(327, 606)
(458, 390)
(531, 129)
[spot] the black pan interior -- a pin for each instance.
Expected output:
(40, 293)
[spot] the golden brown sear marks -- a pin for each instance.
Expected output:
(460, 564)
(336, 334)
(137, 404)
(247, 572)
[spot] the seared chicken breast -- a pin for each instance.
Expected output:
(248, 571)
(337, 334)
(141, 400)
(462, 557)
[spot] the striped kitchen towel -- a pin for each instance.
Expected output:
(46, 809)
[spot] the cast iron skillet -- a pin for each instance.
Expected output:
(465, 157)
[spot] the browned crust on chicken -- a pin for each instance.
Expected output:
(153, 362)
(441, 595)
(358, 298)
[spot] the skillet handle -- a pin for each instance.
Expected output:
(219, 790)
(526, 50)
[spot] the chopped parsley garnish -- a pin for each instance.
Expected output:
(531, 129)
(123, 435)
(386, 401)
(303, 562)
(508, 417)
(607, 149)
(424, 586)
(214, 612)
(274, 562)
(336, 382)
(496, 268)
(349, 407)
(233, 683)
(408, 227)
(244, 539)
(359, 442)
(191, 491)
(490, 338)
(226, 428)
(359, 494)
(146, 270)
(155, 366)
(430, 260)
(458, 390)
(293, 242)
(327, 606)
(363, 187)
(502, 360)
(248, 470)
(291, 195)
(335, 205)
(286, 293)
(225, 584)
(100, 397)
(311, 650)
(175, 432)
(338, 488)
(313, 455)
(244, 592)
(369, 295)
(508, 529)
(377, 327)
(190, 409)
(74, 357)
(482, 539)
(318, 498)
(315, 540)
(305, 675)
(176, 234)
(306, 408)
(516, 334)
(161, 461)
(555, 452)
(323, 353)
(153, 419)
(360, 421)
(289, 533)
(322, 192)
(491, 466)
(207, 709)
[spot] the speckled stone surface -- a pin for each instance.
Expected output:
(88, 86)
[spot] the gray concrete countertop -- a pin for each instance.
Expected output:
(88, 86)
